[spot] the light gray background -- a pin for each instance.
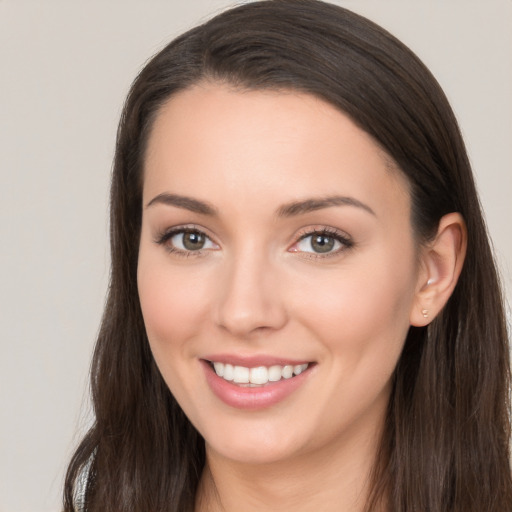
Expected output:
(65, 69)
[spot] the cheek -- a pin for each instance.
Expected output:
(174, 306)
(361, 318)
(173, 303)
(362, 311)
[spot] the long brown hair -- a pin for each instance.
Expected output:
(445, 447)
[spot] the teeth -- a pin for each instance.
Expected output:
(229, 372)
(288, 372)
(259, 375)
(219, 369)
(275, 373)
(297, 369)
(241, 375)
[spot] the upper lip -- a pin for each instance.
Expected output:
(253, 361)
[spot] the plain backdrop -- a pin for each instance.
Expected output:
(65, 69)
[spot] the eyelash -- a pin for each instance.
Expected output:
(345, 241)
(164, 237)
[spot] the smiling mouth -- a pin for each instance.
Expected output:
(257, 376)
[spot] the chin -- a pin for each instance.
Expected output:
(256, 443)
(252, 453)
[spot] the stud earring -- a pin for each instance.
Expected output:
(424, 312)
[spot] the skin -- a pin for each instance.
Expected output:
(258, 288)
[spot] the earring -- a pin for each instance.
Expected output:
(424, 312)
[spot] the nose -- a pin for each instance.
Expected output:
(249, 297)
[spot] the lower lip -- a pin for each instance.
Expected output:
(252, 397)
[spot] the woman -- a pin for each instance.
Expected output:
(304, 311)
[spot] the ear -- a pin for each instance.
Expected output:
(440, 267)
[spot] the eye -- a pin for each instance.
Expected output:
(322, 243)
(186, 241)
(189, 241)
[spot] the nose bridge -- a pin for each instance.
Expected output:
(249, 295)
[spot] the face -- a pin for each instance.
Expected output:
(277, 251)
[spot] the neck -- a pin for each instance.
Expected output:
(331, 479)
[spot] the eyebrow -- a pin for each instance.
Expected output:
(312, 204)
(287, 210)
(187, 203)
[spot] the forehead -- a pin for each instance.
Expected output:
(273, 145)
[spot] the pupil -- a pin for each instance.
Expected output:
(322, 243)
(193, 241)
